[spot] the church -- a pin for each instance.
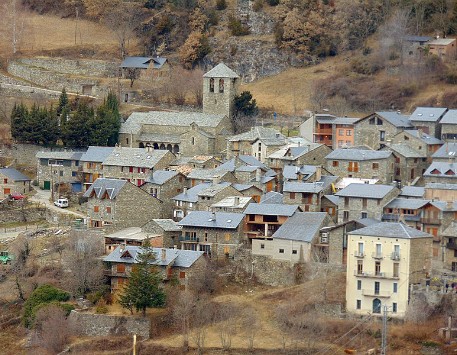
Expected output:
(189, 133)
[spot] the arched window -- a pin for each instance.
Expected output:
(169, 147)
(176, 148)
(376, 305)
(156, 146)
(162, 147)
(141, 145)
(221, 85)
(211, 85)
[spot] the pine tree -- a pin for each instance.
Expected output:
(51, 130)
(75, 131)
(104, 127)
(63, 102)
(144, 289)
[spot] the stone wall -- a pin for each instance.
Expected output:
(26, 215)
(23, 154)
(104, 325)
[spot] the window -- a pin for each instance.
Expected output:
(375, 166)
(96, 208)
(364, 215)
(353, 166)
(211, 85)
(108, 209)
(359, 267)
(382, 136)
(335, 163)
(364, 202)
(377, 287)
(221, 85)
(377, 268)
(376, 305)
(359, 284)
(345, 216)
(348, 132)
(292, 195)
(262, 246)
(260, 147)
(61, 172)
(131, 169)
(252, 217)
(346, 201)
(182, 274)
(396, 269)
(394, 307)
(378, 250)
(395, 287)
(359, 304)
(294, 251)
(371, 121)
(5, 181)
(227, 237)
(281, 251)
(193, 140)
(341, 132)
(120, 268)
(379, 122)
(127, 141)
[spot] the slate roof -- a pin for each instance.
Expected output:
(302, 226)
(424, 137)
(214, 189)
(358, 154)
(96, 154)
(395, 118)
(451, 230)
(345, 120)
(290, 172)
(159, 177)
(406, 151)
(62, 155)
(271, 135)
(248, 160)
(442, 169)
(407, 203)
(143, 62)
(417, 38)
(175, 257)
(271, 209)
(229, 201)
(333, 199)
(391, 230)
(102, 185)
(365, 191)
(168, 225)
(221, 71)
(427, 114)
(450, 117)
(159, 137)
(191, 195)
(173, 119)
(206, 219)
(441, 41)
(205, 174)
(242, 187)
(440, 186)
(14, 175)
(311, 187)
(137, 157)
(367, 221)
(445, 206)
(446, 151)
(412, 191)
(272, 197)
(132, 233)
(295, 152)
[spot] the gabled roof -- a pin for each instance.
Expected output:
(191, 195)
(111, 186)
(160, 177)
(132, 233)
(263, 133)
(292, 152)
(214, 189)
(206, 219)
(440, 186)
(272, 197)
(423, 137)
(391, 230)
(427, 114)
(310, 187)
(96, 154)
(137, 157)
(412, 191)
(62, 155)
(447, 151)
(445, 206)
(451, 230)
(136, 120)
(142, 62)
(407, 203)
(175, 257)
(168, 225)
(244, 187)
(365, 191)
(395, 118)
(271, 209)
(221, 71)
(332, 198)
(290, 172)
(442, 169)
(358, 154)
(406, 151)
(345, 120)
(450, 117)
(241, 160)
(14, 175)
(233, 202)
(302, 226)
(206, 174)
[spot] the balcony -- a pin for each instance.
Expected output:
(359, 254)
(189, 239)
(395, 217)
(435, 221)
(323, 131)
(377, 256)
(452, 246)
(376, 293)
(395, 256)
(375, 275)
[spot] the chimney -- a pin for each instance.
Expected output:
(318, 173)
(236, 201)
(216, 180)
(185, 190)
(449, 205)
(164, 254)
(213, 216)
(258, 174)
(420, 132)
(121, 248)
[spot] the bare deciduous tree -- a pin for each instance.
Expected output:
(183, 309)
(13, 23)
(251, 325)
(226, 316)
(51, 330)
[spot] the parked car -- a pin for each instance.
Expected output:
(61, 202)
(17, 196)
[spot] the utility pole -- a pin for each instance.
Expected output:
(384, 331)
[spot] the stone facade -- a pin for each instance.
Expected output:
(448, 131)
(9, 186)
(196, 141)
(132, 207)
(217, 101)
(382, 169)
(357, 207)
(170, 238)
(89, 324)
(206, 200)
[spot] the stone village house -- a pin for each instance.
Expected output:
(13, 182)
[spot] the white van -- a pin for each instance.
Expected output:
(61, 202)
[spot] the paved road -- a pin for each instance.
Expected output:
(43, 196)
